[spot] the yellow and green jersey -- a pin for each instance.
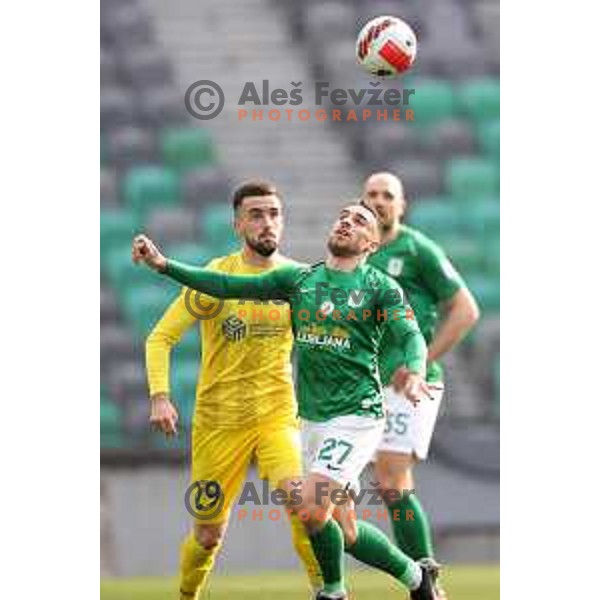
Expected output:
(428, 278)
(245, 377)
(339, 319)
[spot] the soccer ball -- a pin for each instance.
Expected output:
(386, 47)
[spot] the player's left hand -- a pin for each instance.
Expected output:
(412, 385)
(399, 378)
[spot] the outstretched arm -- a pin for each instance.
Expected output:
(274, 285)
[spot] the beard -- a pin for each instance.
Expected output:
(263, 247)
(341, 250)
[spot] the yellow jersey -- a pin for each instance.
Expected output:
(245, 377)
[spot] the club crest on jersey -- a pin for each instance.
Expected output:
(394, 266)
(234, 329)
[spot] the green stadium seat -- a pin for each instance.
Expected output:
(184, 380)
(433, 101)
(117, 266)
(488, 134)
(491, 255)
(187, 148)
(117, 228)
(188, 349)
(216, 226)
(481, 219)
(147, 187)
(487, 292)
(196, 254)
(437, 217)
(480, 99)
(144, 305)
(111, 431)
(469, 179)
(464, 253)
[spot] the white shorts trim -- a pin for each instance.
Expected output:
(409, 428)
(341, 447)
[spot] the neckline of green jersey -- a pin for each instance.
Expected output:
(344, 274)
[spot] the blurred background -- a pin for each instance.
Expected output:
(171, 175)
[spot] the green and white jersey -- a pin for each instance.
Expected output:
(339, 319)
(427, 277)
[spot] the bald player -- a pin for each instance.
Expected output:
(445, 311)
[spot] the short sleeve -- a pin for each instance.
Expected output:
(440, 276)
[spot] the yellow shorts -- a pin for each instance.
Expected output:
(224, 456)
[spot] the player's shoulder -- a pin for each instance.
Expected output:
(421, 241)
(287, 261)
(227, 262)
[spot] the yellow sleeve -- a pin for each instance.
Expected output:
(166, 334)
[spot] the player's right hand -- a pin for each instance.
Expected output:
(163, 414)
(143, 249)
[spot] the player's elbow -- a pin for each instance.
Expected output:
(152, 340)
(464, 310)
(471, 311)
(157, 340)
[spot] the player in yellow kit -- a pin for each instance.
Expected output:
(245, 404)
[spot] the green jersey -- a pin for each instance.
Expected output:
(339, 319)
(427, 277)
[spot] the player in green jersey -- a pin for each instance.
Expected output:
(341, 308)
(445, 311)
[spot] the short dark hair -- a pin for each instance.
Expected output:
(253, 188)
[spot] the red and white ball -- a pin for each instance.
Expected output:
(386, 47)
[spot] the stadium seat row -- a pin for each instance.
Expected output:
(435, 99)
(143, 187)
(181, 148)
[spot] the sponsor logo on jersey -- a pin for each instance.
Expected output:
(330, 340)
(266, 330)
(234, 329)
